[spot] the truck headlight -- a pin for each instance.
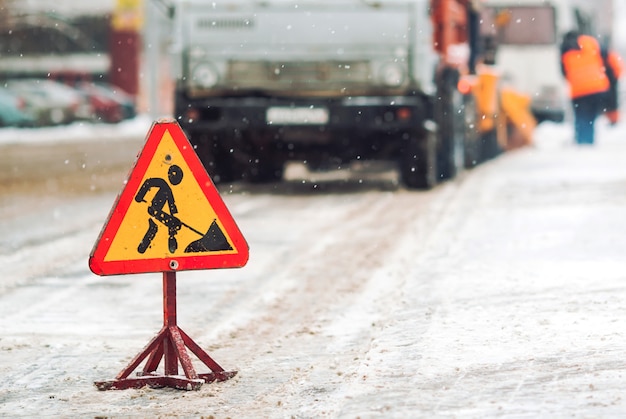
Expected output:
(204, 75)
(392, 74)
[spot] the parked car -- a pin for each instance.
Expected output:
(51, 102)
(104, 108)
(12, 110)
(107, 93)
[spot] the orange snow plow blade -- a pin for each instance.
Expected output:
(485, 90)
(516, 107)
(500, 108)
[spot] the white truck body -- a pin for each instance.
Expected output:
(326, 82)
(351, 46)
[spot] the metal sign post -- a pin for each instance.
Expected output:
(170, 344)
(168, 189)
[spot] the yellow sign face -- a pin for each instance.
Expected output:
(182, 201)
(169, 216)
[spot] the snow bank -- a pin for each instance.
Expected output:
(77, 131)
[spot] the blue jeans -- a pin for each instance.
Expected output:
(586, 110)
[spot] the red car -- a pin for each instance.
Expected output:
(104, 108)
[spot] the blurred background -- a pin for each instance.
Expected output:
(64, 61)
(115, 53)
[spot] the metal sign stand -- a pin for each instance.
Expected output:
(170, 344)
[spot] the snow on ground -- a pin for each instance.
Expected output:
(499, 294)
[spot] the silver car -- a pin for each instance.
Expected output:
(51, 102)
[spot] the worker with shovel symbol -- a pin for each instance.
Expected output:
(163, 196)
(212, 240)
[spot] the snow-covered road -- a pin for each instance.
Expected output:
(500, 294)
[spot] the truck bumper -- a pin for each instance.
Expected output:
(324, 133)
(288, 118)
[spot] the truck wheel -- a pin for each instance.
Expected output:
(265, 170)
(418, 164)
(218, 164)
(450, 117)
(489, 145)
(472, 146)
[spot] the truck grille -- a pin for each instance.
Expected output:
(297, 74)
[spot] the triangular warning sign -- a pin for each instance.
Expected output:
(169, 216)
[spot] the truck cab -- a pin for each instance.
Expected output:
(260, 83)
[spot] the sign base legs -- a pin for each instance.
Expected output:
(169, 345)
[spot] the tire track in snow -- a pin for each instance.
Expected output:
(334, 283)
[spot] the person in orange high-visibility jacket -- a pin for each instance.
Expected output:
(614, 66)
(583, 68)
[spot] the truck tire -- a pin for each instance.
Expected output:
(490, 147)
(472, 140)
(219, 165)
(264, 169)
(418, 163)
(450, 118)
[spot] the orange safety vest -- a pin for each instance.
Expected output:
(584, 68)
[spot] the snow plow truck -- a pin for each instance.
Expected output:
(332, 82)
